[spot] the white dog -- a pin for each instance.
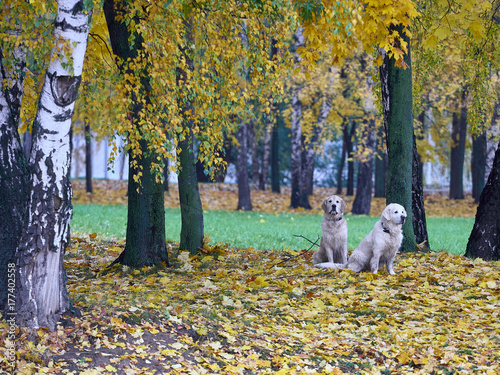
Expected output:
(380, 246)
(333, 245)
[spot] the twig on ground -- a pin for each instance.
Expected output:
(303, 252)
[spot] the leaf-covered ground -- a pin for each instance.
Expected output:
(225, 197)
(243, 311)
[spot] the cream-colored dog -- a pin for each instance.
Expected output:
(379, 247)
(333, 245)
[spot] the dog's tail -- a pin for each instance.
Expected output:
(331, 265)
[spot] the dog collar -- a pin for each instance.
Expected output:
(385, 229)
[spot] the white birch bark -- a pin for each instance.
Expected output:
(42, 295)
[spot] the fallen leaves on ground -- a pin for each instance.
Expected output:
(218, 196)
(244, 311)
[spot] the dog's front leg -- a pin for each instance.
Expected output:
(389, 267)
(374, 262)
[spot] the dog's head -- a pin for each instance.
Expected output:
(334, 206)
(394, 214)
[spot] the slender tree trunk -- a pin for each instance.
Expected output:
(362, 202)
(458, 136)
(166, 174)
(244, 199)
(418, 209)
(350, 160)
(13, 174)
(145, 241)
(88, 158)
(478, 164)
(266, 155)
(252, 142)
(380, 165)
(345, 135)
(192, 230)
(484, 240)
(296, 151)
(275, 155)
(41, 290)
(396, 84)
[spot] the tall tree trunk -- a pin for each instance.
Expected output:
(396, 84)
(88, 158)
(478, 164)
(457, 155)
(145, 241)
(192, 230)
(418, 209)
(266, 155)
(13, 173)
(244, 199)
(362, 202)
(340, 181)
(380, 165)
(275, 155)
(296, 151)
(41, 290)
(166, 174)
(252, 142)
(484, 240)
(350, 160)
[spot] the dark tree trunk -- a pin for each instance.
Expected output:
(350, 160)
(296, 152)
(396, 84)
(192, 231)
(342, 158)
(275, 156)
(418, 209)
(458, 136)
(252, 143)
(166, 173)
(484, 241)
(145, 241)
(264, 173)
(478, 164)
(380, 165)
(13, 179)
(88, 158)
(362, 201)
(244, 199)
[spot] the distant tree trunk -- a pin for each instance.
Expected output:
(478, 164)
(380, 165)
(41, 295)
(88, 158)
(296, 151)
(244, 198)
(13, 171)
(484, 241)
(252, 142)
(362, 202)
(458, 136)
(166, 174)
(418, 209)
(342, 158)
(350, 160)
(275, 155)
(396, 84)
(192, 229)
(265, 157)
(145, 238)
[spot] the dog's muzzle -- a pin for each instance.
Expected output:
(333, 210)
(403, 219)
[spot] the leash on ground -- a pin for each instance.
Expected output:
(303, 252)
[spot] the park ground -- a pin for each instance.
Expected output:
(246, 311)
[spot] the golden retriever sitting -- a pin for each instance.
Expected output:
(380, 246)
(333, 245)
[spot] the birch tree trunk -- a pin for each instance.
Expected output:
(13, 168)
(244, 197)
(41, 291)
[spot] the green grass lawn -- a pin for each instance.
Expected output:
(263, 230)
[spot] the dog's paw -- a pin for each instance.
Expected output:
(329, 265)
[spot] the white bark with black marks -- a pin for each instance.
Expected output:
(42, 295)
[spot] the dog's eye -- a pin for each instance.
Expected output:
(330, 201)
(395, 212)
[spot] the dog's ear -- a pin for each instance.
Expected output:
(343, 206)
(386, 214)
(324, 206)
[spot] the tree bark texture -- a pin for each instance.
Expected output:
(145, 238)
(484, 240)
(457, 155)
(275, 155)
(340, 180)
(88, 158)
(396, 84)
(192, 230)
(418, 209)
(363, 199)
(252, 143)
(244, 198)
(41, 294)
(478, 164)
(13, 170)
(380, 165)
(266, 156)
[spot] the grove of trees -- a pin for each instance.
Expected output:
(180, 81)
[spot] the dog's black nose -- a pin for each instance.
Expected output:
(403, 218)
(334, 206)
